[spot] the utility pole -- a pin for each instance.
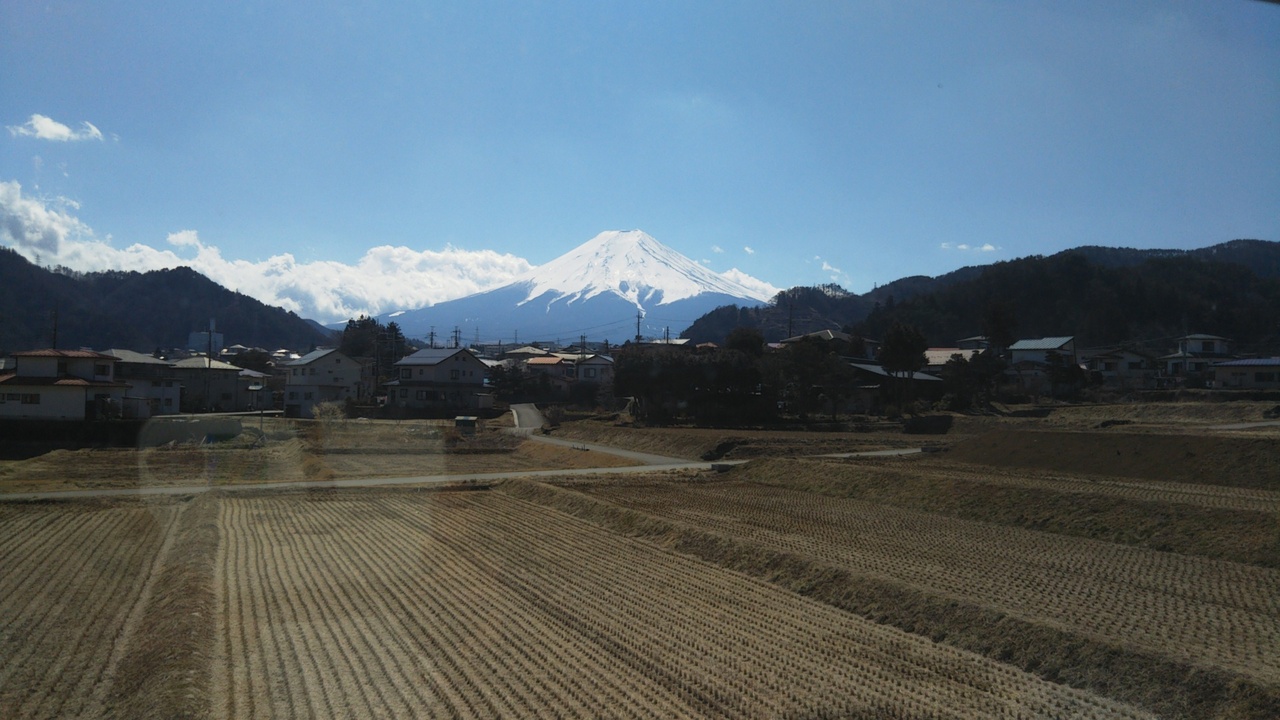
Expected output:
(55, 328)
(431, 338)
(208, 363)
(457, 337)
(638, 316)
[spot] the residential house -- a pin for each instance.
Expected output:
(1248, 373)
(321, 376)
(936, 358)
(854, 346)
(552, 373)
(440, 378)
(61, 385)
(1124, 367)
(154, 387)
(594, 369)
(1037, 351)
(1196, 355)
(214, 386)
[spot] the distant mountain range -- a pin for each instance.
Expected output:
(135, 311)
(599, 289)
(1100, 295)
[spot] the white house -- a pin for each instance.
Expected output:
(320, 376)
(438, 378)
(1196, 355)
(61, 385)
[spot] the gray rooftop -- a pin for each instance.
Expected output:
(431, 356)
(1048, 343)
(1250, 362)
(131, 356)
(313, 356)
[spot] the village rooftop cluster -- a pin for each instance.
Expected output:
(85, 384)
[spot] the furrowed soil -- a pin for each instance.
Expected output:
(1217, 459)
(482, 605)
(1024, 570)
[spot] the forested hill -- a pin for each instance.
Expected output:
(137, 311)
(1100, 295)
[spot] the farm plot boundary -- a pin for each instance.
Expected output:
(1165, 686)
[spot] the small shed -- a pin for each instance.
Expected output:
(466, 424)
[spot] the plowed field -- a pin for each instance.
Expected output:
(1206, 612)
(72, 588)
(481, 605)
(449, 604)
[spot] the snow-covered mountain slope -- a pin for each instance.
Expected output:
(596, 289)
(633, 266)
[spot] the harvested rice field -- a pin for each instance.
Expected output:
(785, 587)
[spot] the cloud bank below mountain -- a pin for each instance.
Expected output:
(385, 279)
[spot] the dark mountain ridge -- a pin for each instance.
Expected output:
(132, 310)
(1100, 295)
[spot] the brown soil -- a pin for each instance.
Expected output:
(1087, 510)
(717, 444)
(1250, 462)
(858, 565)
(287, 460)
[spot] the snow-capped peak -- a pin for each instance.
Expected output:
(638, 268)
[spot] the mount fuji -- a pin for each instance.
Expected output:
(599, 289)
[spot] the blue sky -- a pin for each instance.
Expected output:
(332, 157)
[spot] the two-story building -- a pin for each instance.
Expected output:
(214, 386)
(1196, 355)
(321, 376)
(61, 385)
(594, 369)
(154, 387)
(440, 378)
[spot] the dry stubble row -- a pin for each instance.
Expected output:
(72, 580)
(478, 604)
(1199, 495)
(1208, 612)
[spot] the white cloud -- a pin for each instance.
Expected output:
(46, 128)
(717, 249)
(33, 226)
(761, 288)
(986, 247)
(748, 250)
(386, 277)
(836, 274)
